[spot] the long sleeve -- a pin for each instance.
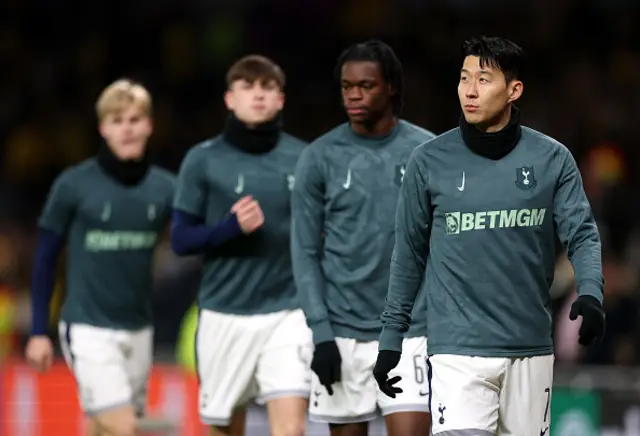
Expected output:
(60, 207)
(307, 212)
(50, 245)
(189, 235)
(409, 259)
(190, 192)
(577, 229)
(54, 222)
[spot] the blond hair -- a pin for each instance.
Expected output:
(121, 94)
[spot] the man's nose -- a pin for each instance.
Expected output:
(354, 93)
(471, 91)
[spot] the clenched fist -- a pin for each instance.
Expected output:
(39, 353)
(249, 214)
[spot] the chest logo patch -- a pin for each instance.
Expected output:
(526, 178)
(399, 178)
(151, 212)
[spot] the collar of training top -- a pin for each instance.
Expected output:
(126, 172)
(261, 139)
(494, 145)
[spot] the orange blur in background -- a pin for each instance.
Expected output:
(46, 405)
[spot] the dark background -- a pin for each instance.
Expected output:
(582, 86)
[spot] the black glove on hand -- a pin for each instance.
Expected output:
(387, 360)
(593, 319)
(326, 364)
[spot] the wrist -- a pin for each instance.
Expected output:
(590, 288)
(590, 299)
(322, 332)
(390, 340)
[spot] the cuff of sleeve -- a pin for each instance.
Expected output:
(233, 225)
(390, 340)
(227, 230)
(40, 317)
(592, 289)
(38, 330)
(322, 332)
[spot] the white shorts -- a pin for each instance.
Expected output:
(241, 357)
(111, 367)
(487, 396)
(357, 397)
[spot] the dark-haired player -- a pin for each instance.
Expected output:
(479, 213)
(233, 206)
(347, 187)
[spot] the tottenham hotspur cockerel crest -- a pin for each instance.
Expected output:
(526, 178)
(399, 176)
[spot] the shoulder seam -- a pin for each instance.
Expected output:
(80, 166)
(295, 139)
(420, 129)
(325, 137)
(164, 173)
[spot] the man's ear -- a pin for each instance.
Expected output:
(391, 89)
(516, 87)
(228, 100)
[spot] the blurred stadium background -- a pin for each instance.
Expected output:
(582, 88)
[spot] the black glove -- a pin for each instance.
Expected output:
(326, 364)
(593, 319)
(387, 360)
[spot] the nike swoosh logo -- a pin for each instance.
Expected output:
(240, 186)
(543, 432)
(106, 212)
(423, 394)
(347, 182)
(461, 187)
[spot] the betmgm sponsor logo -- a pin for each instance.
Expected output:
(100, 240)
(457, 222)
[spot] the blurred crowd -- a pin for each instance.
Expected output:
(580, 87)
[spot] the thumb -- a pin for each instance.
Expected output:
(575, 311)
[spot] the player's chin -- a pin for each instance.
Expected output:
(131, 151)
(474, 118)
(259, 117)
(361, 118)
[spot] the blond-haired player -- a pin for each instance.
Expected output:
(109, 210)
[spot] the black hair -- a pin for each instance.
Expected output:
(499, 53)
(390, 66)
